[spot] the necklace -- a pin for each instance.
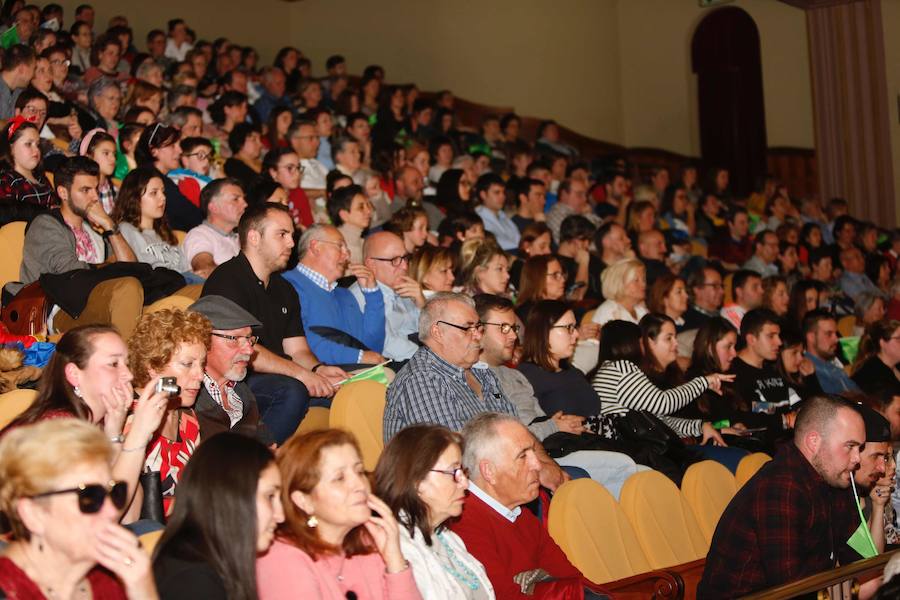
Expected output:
(81, 591)
(467, 577)
(340, 573)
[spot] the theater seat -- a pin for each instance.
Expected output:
(180, 235)
(726, 284)
(317, 417)
(13, 404)
(846, 325)
(663, 523)
(748, 467)
(708, 487)
(174, 302)
(12, 240)
(587, 523)
(358, 407)
(149, 540)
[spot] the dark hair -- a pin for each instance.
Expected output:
(213, 189)
(812, 318)
(770, 284)
(661, 288)
(740, 279)
(55, 393)
(239, 134)
(754, 321)
(841, 222)
(484, 303)
(870, 343)
(447, 190)
(272, 158)
(333, 61)
(188, 145)
(17, 55)
(29, 94)
(230, 98)
(261, 190)
(538, 325)
(456, 224)
(735, 211)
(338, 144)
(272, 124)
(874, 262)
(530, 233)
(603, 231)
(523, 187)
(68, 168)
(153, 137)
(7, 141)
(134, 113)
(797, 303)
(668, 376)
(254, 217)
(704, 359)
(533, 279)
(404, 219)
(760, 238)
(342, 199)
(101, 44)
(331, 181)
(224, 538)
(485, 182)
(620, 340)
(404, 463)
(128, 202)
(576, 227)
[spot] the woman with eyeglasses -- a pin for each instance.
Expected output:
(282, 165)
(158, 147)
(170, 343)
(88, 378)
(421, 478)
(59, 495)
(484, 267)
(211, 554)
(338, 540)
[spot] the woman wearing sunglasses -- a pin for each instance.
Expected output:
(58, 494)
(88, 378)
(211, 554)
(338, 540)
(421, 478)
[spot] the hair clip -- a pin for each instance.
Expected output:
(155, 129)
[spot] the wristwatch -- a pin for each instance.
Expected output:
(110, 232)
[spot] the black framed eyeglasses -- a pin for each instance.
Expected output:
(200, 155)
(236, 339)
(571, 327)
(458, 473)
(396, 261)
(92, 495)
(505, 327)
(479, 327)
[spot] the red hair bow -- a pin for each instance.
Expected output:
(15, 123)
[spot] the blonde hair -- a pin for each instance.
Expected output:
(33, 456)
(475, 254)
(619, 274)
(157, 337)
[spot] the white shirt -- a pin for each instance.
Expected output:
(509, 515)
(314, 173)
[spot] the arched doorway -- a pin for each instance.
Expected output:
(725, 56)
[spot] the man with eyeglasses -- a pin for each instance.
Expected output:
(498, 343)
(385, 255)
(707, 294)
(440, 383)
(225, 402)
(286, 373)
(304, 139)
(339, 332)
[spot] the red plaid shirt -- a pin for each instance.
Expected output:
(784, 524)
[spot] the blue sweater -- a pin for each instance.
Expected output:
(338, 309)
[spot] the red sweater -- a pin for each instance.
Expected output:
(506, 549)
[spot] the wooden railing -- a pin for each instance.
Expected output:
(856, 573)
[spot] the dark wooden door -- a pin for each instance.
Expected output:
(725, 56)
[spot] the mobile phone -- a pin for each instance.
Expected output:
(168, 386)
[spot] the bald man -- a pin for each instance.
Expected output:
(385, 255)
(794, 517)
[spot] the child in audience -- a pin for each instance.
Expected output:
(192, 177)
(101, 147)
(21, 178)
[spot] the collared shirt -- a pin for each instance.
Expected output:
(784, 524)
(207, 238)
(734, 314)
(509, 515)
(503, 228)
(314, 174)
(276, 306)
(857, 284)
(558, 214)
(401, 318)
(317, 278)
(431, 390)
(235, 408)
(831, 375)
(756, 264)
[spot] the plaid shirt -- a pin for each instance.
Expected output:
(235, 408)
(14, 186)
(784, 524)
(431, 390)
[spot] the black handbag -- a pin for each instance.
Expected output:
(152, 506)
(562, 443)
(648, 430)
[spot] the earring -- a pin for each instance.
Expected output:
(77, 391)
(312, 522)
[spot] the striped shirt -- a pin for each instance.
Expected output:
(622, 387)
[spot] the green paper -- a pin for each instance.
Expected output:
(10, 37)
(850, 347)
(861, 540)
(375, 374)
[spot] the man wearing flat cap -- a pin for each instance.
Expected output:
(875, 477)
(225, 402)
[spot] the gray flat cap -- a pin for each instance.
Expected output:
(223, 313)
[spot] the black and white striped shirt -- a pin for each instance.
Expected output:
(622, 386)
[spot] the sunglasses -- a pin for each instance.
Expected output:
(91, 496)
